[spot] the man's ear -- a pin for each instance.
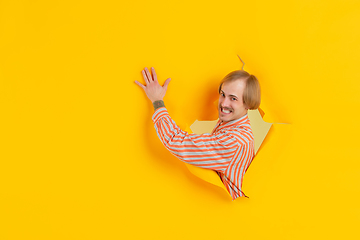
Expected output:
(245, 105)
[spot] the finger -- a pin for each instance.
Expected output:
(154, 74)
(145, 77)
(167, 83)
(142, 86)
(148, 74)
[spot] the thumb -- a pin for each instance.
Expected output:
(167, 83)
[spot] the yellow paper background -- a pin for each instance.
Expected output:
(80, 158)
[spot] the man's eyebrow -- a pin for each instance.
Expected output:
(231, 95)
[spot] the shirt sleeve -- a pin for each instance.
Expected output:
(211, 151)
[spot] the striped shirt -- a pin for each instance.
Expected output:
(228, 150)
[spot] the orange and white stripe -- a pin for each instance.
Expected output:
(228, 150)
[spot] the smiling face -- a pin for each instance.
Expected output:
(231, 104)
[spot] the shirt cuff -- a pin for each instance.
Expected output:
(159, 113)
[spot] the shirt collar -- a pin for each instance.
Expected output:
(232, 123)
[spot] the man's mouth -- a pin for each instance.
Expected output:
(225, 110)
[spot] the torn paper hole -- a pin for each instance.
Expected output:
(259, 127)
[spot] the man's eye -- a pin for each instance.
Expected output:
(222, 94)
(234, 99)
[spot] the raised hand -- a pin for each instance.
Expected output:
(154, 91)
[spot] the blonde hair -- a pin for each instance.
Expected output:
(251, 96)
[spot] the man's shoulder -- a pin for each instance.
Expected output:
(241, 133)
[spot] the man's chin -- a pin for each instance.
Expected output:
(224, 118)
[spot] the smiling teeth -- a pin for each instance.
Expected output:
(226, 111)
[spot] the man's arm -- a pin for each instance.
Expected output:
(207, 150)
(211, 151)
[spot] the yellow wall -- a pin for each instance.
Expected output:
(79, 157)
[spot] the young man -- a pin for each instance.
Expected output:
(229, 149)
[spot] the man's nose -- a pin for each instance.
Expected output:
(225, 102)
